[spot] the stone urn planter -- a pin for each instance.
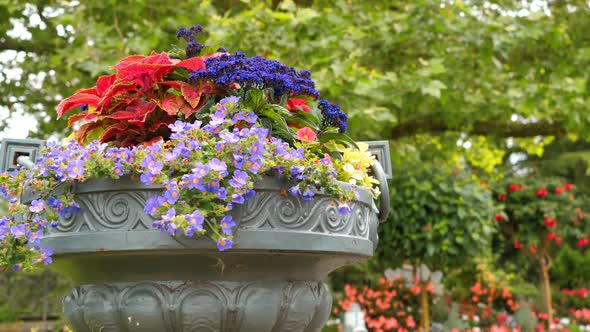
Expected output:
(131, 277)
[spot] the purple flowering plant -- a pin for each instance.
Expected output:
(258, 118)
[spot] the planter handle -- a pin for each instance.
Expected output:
(384, 202)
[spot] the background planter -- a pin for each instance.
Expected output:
(133, 278)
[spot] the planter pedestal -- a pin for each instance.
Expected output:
(199, 306)
(133, 278)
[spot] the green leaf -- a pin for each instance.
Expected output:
(433, 88)
(338, 138)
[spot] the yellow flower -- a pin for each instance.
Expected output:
(353, 167)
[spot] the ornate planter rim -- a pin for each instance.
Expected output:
(121, 199)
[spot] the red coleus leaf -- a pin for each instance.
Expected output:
(122, 115)
(113, 91)
(196, 95)
(210, 88)
(81, 133)
(192, 94)
(172, 84)
(126, 61)
(161, 123)
(104, 83)
(144, 70)
(76, 100)
(84, 116)
(141, 110)
(113, 131)
(192, 64)
(174, 104)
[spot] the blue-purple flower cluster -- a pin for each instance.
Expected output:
(224, 157)
(332, 116)
(193, 48)
(255, 72)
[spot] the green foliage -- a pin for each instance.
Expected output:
(453, 320)
(23, 293)
(525, 318)
(440, 217)
(397, 67)
(571, 268)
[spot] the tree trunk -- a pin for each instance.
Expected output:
(547, 289)
(425, 307)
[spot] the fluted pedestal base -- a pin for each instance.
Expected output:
(269, 306)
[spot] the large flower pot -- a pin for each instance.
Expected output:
(131, 277)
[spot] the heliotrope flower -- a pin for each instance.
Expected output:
(258, 72)
(332, 116)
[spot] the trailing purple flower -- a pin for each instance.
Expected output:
(224, 244)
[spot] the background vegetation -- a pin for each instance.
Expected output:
(483, 89)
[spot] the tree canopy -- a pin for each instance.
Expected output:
(487, 71)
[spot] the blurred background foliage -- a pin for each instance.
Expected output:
(476, 88)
